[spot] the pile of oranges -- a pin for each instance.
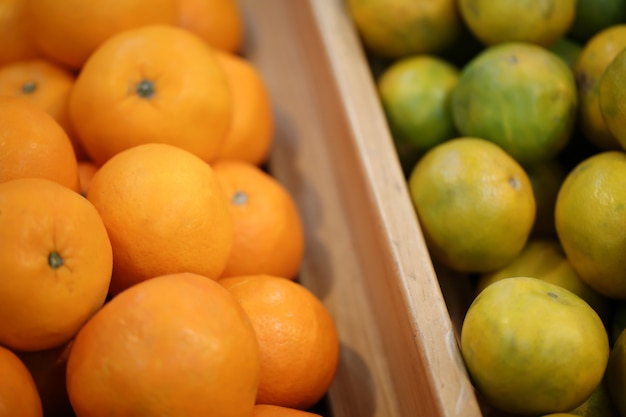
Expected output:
(148, 261)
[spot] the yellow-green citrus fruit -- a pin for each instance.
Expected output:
(474, 202)
(612, 96)
(532, 347)
(597, 53)
(397, 28)
(415, 94)
(544, 259)
(590, 219)
(519, 96)
(541, 22)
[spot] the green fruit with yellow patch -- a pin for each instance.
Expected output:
(521, 97)
(532, 347)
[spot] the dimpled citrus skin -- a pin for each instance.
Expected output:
(156, 83)
(474, 202)
(590, 219)
(33, 144)
(298, 339)
(164, 211)
(268, 232)
(540, 22)
(532, 347)
(415, 94)
(18, 392)
(520, 96)
(612, 98)
(69, 31)
(56, 260)
(174, 345)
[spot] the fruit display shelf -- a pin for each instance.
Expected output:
(365, 257)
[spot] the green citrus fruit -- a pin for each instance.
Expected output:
(544, 259)
(397, 28)
(415, 94)
(540, 22)
(519, 96)
(474, 202)
(532, 347)
(597, 53)
(612, 94)
(590, 219)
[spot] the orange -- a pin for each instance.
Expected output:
(174, 345)
(266, 410)
(268, 235)
(47, 368)
(218, 22)
(18, 392)
(15, 41)
(86, 171)
(69, 31)
(56, 260)
(544, 259)
(164, 211)
(252, 129)
(297, 338)
(152, 84)
(47, 84)
(33, 144)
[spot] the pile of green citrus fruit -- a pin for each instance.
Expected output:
(509, 119)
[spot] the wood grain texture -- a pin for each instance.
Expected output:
(365, 255)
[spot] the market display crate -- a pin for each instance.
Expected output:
(398, 319)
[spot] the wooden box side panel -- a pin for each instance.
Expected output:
(365, 254)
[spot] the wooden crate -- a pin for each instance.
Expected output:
(365, 253)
